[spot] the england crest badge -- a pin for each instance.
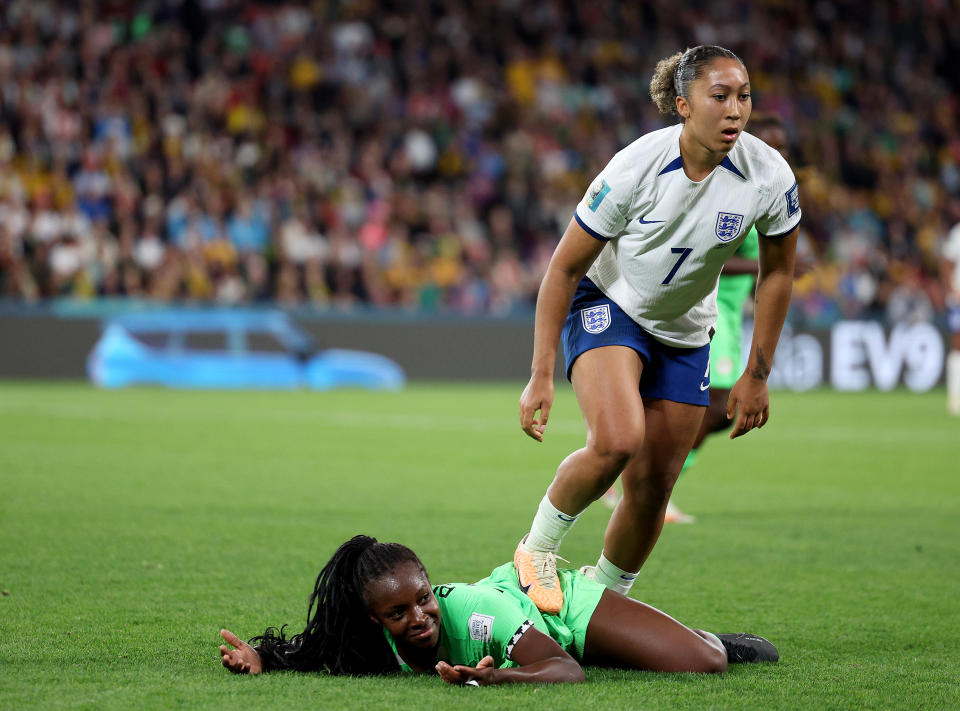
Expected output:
(728, 225)
(596, 319)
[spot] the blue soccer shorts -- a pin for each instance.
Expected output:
(669, 373)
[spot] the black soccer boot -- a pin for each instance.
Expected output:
(745, 648)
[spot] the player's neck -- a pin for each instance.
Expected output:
(698, 160)
(419, 660)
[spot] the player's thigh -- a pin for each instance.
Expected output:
(606, 382)
(626, 633)
(671, 429)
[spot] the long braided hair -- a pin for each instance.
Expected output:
(340, 637)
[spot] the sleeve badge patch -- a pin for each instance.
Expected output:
(597, 192)
(481, 627)
(793, 200)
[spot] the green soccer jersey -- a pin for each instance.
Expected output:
(734, 290)
(490, 616)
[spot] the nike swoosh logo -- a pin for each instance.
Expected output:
(568, 519)
(649, 222)
(704, 386)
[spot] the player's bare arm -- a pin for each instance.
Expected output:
(749, 397)
(575, 253)
(541, 660)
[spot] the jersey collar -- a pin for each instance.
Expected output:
(728, 164)
(673, 165)
(677, 163)
(442, 652)
(404, 667)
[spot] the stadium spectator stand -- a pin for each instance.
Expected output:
(429, 155)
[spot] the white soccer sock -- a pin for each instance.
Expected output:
(953, 382)
(615, 578)
(549, 527)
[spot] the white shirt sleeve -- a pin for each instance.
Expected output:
(603, 210)
(782, 213)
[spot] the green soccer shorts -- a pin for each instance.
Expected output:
(581, 595)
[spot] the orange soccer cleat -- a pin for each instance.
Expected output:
(537, 571)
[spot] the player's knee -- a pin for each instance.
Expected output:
(711, 657)
(714, 660)
(708, 660)
(615, 448)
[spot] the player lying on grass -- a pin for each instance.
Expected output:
(374, 611)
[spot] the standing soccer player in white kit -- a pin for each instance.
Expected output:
(951, 269)
(632, 287)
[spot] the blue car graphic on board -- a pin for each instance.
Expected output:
(151, 348)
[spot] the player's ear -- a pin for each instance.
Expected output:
(683, 108)
(374, 617)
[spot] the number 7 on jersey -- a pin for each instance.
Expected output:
(684, 252)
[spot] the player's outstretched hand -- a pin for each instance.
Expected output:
(749, 402)
(239, 657)
(459, 674)
(538, 395)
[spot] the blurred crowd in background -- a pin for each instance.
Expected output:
(430, 154)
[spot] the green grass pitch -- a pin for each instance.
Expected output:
(134, 524)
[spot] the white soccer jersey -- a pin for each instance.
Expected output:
(669, 236)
